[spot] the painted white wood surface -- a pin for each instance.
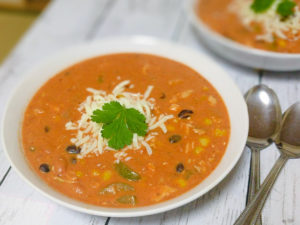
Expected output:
(67, 22)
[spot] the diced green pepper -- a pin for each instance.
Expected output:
(126, 172)
(127, 199)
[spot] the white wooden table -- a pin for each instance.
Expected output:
(68, 22)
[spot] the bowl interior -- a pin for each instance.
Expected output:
(23, 93)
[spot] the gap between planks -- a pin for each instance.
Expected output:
(5, 175)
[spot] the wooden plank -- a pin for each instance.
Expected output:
(134, 17)
(21, 204)
(284, 201)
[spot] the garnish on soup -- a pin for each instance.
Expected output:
(286, 8)
(116, 121)
(119, 124)
(259, 6)
(151, 130)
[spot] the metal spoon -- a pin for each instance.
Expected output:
(288, 142)
(264, 123)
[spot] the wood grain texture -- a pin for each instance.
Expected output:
(134, 17)
(284, 200)
(95, 19)
(21, 204)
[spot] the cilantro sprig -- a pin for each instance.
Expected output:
(286, 8)
(260, 6)
(119, 124)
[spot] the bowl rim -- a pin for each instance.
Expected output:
(191, 11)
(153, 45)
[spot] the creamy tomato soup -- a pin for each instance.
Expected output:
(274, 28)
(125, 130)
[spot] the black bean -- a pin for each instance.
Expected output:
(73, 149)
(186, 113)
(44, 168)
(174, 138)
(279, 145)
(47, 129)
(163, 96)
(179, 167)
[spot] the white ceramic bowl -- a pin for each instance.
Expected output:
(233, 99)
(239, 53)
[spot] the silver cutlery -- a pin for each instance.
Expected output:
(264, 123)
(288, 142)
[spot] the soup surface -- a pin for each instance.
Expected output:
(267, 30)
(187, 135)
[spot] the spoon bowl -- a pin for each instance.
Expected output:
(264, 116)
(288, 140)
(264, 123)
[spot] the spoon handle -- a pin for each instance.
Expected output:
(254, 180)
(253, 210)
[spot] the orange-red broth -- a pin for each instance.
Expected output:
(176, 87)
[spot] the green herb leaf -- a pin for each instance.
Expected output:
(286, 8)
(119, 124)
(260, 6)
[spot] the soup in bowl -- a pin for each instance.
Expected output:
(256, 33)
(262, 24)
(126, 131)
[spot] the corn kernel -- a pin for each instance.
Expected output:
(198, 150)
(220, 132)
(204, 141)
(96, 173)
(181, 182)
(106, 175)
(79, 174)
(170, 128)
(281, 43)
(208, 122)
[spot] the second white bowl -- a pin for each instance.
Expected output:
(241, 54)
